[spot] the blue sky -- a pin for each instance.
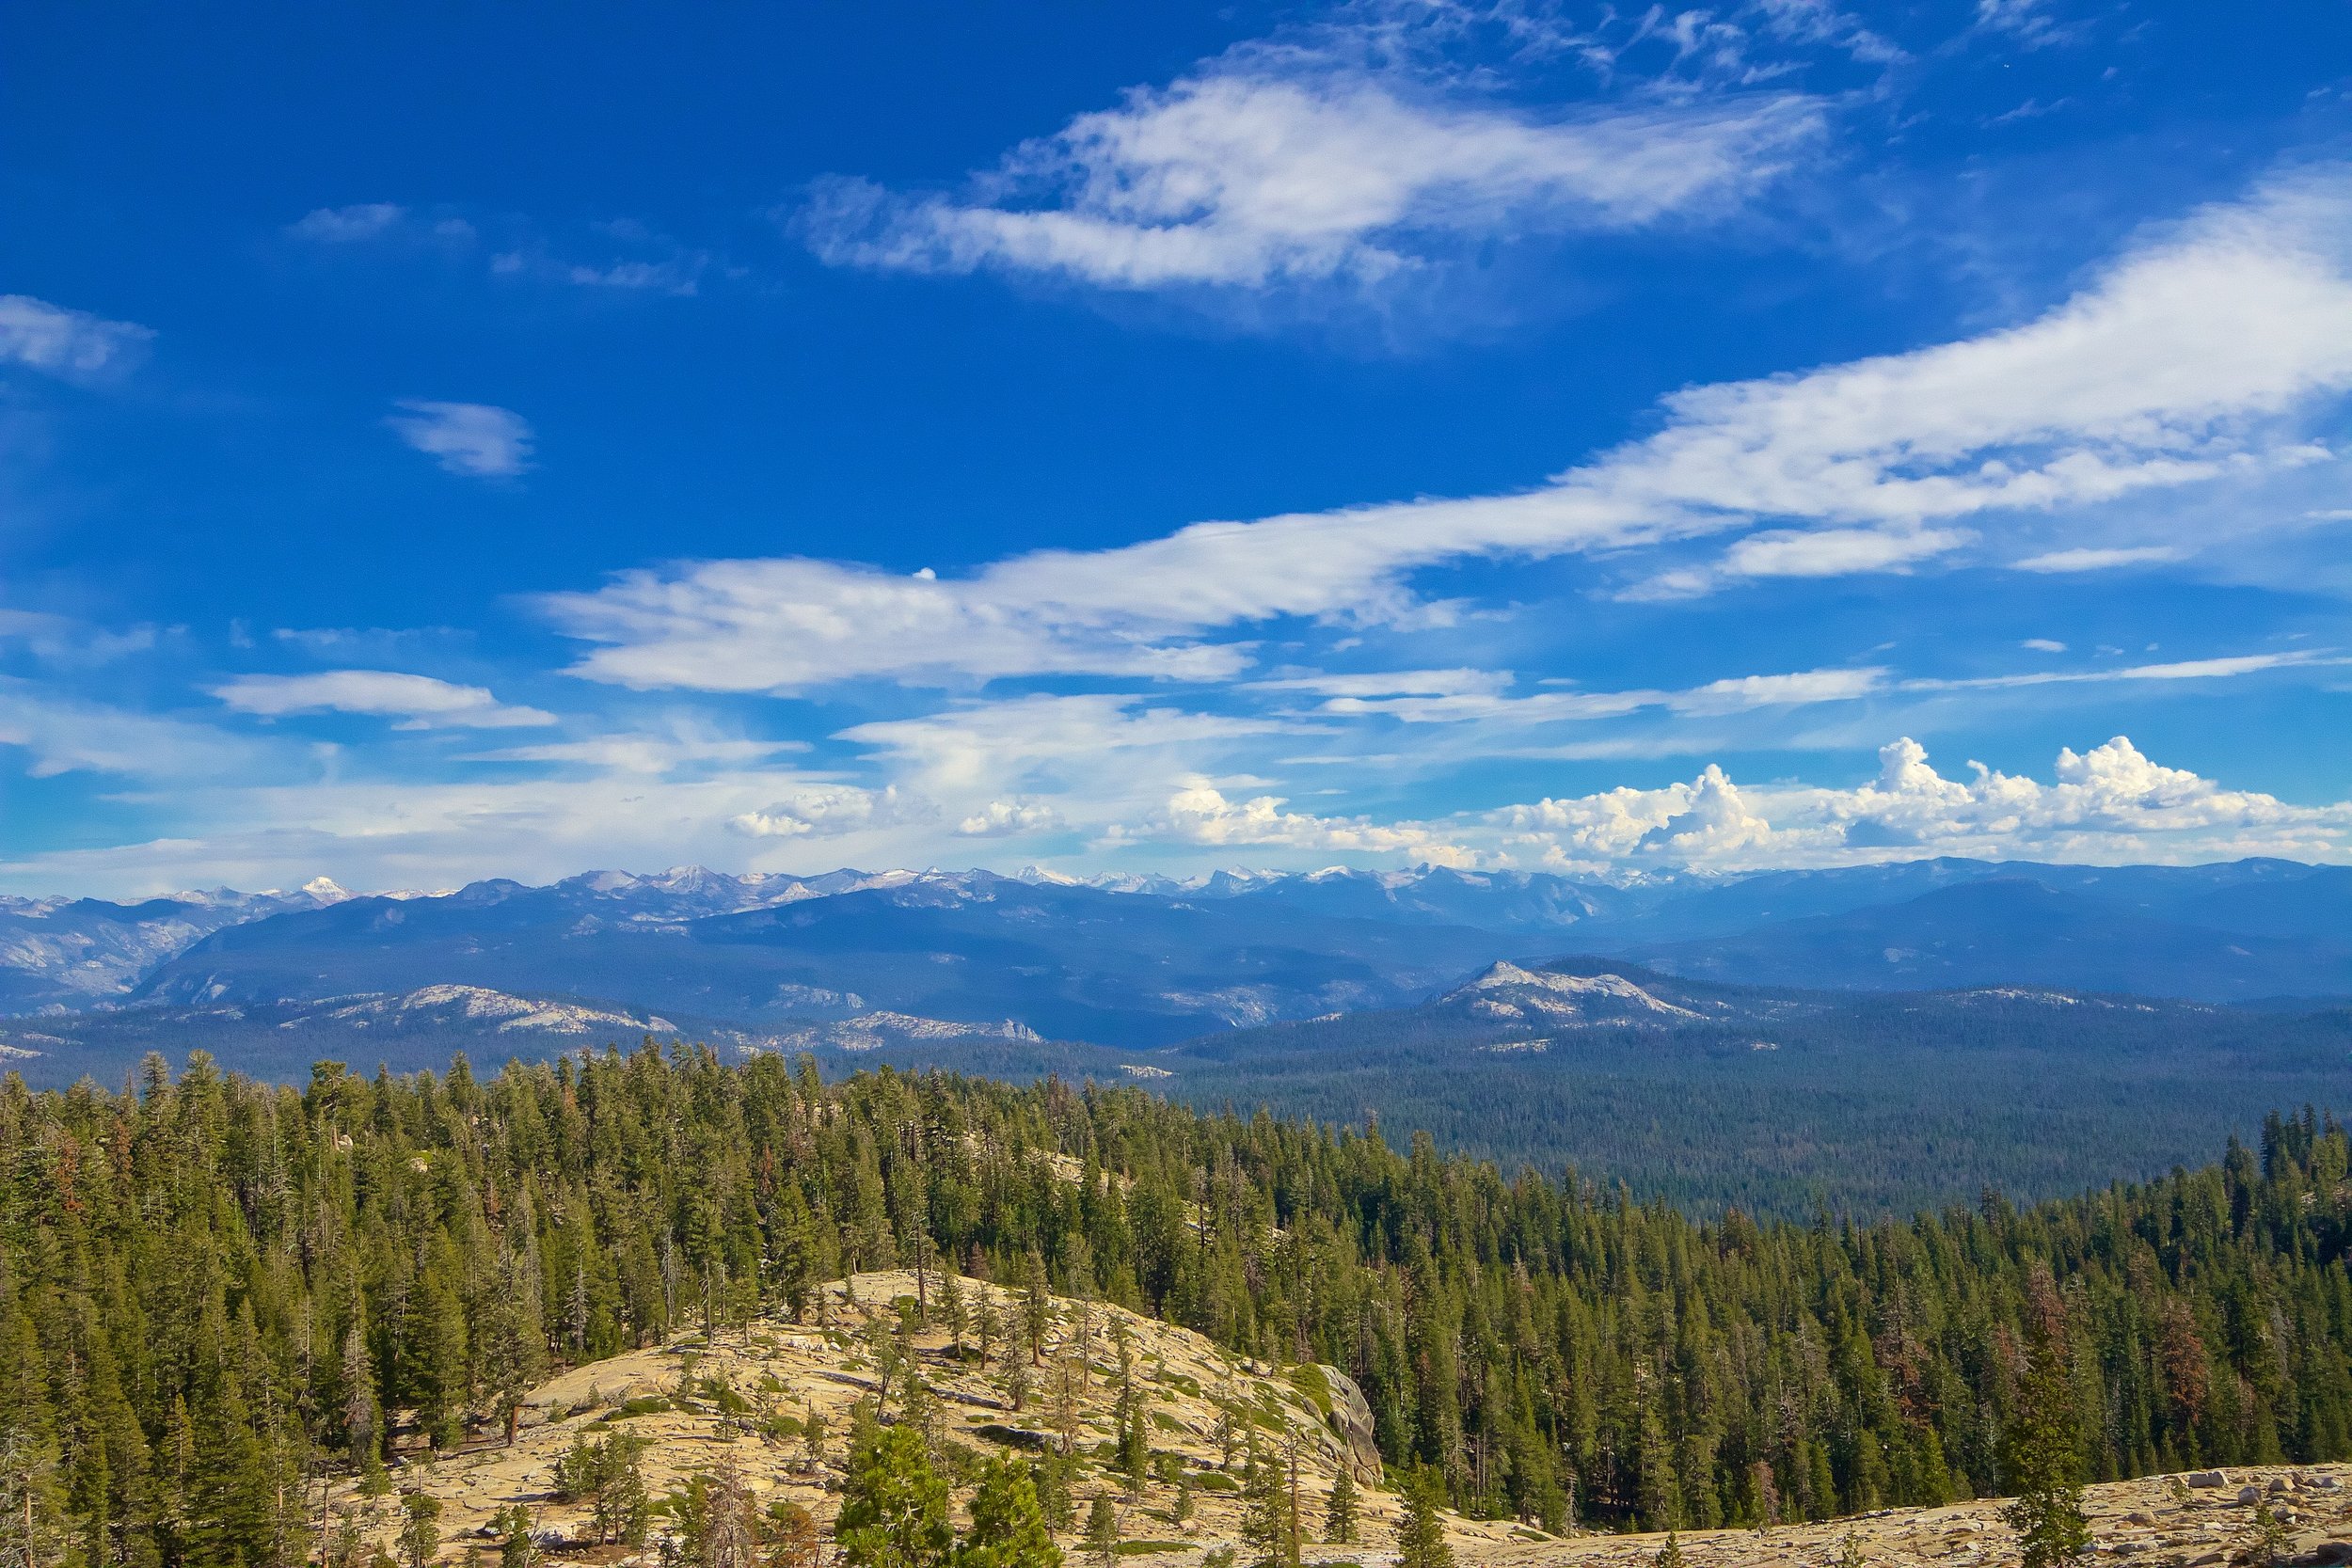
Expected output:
(440, 446)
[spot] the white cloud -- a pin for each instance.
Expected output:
(475, 439)
(63, 735)
(64, 642)
(1741, 693)
(366, 220)
(1391, 683)
(420, 701)
(1010, 819)
(2178, 670)
(651, 754)
(2110, 804)
(45, 337)
(1199, 814)
(829, 811)
(2097, 560)
(2027, 21)
(1837, 552)
(2181, 364)
(1256, 172)
(1459, 700)
(2044, 646)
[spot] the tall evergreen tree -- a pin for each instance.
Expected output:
(2044, 1467)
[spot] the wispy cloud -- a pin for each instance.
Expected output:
(68, 735)
(623, 254)
(73, 344)
(2182, 364)
(1351, 152)
(1246, 180)
(2027, 21)
(2221, 668)
(477, 439)
(649, 262)
(365, 220)
(2094, 560)
(419, 702)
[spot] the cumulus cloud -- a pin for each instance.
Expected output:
(2108, 804)
(1256, 172)
(476, 439)
(829, 811)
(1198, 812)
(1010, 819)
(419, 702)
(45, 337)
(2183, 363)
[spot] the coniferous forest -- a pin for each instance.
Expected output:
(214, 1291)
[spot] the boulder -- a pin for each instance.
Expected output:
(2208, 1478)
(2249, 1495)
(1351, 1417)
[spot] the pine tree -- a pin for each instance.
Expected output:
(1103, 1532)
(893, 1509)
(1134, 1440)
(421, 1528)
(1339, 1514)
(985, 1324)
(1421, 1541)
(952, 1312)
(1269, 1509)
(1036, 1306)
(2044, 1463)
(2264, 1543)
(517, 1548)
(729, 1536)
(791, 1536)
(1009, 1527)
(813, 1428)
(1669, 1555)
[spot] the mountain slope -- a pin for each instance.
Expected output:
(2014, 931)
(61, 953)
(1068, 962)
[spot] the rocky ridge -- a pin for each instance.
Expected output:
(744, 1398)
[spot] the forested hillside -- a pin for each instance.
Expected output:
(213, 1291)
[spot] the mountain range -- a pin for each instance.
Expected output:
(1127, 962)
(1876, 1035)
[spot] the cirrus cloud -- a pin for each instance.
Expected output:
(2183, 363)
(1253, 174)
(419, 701)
